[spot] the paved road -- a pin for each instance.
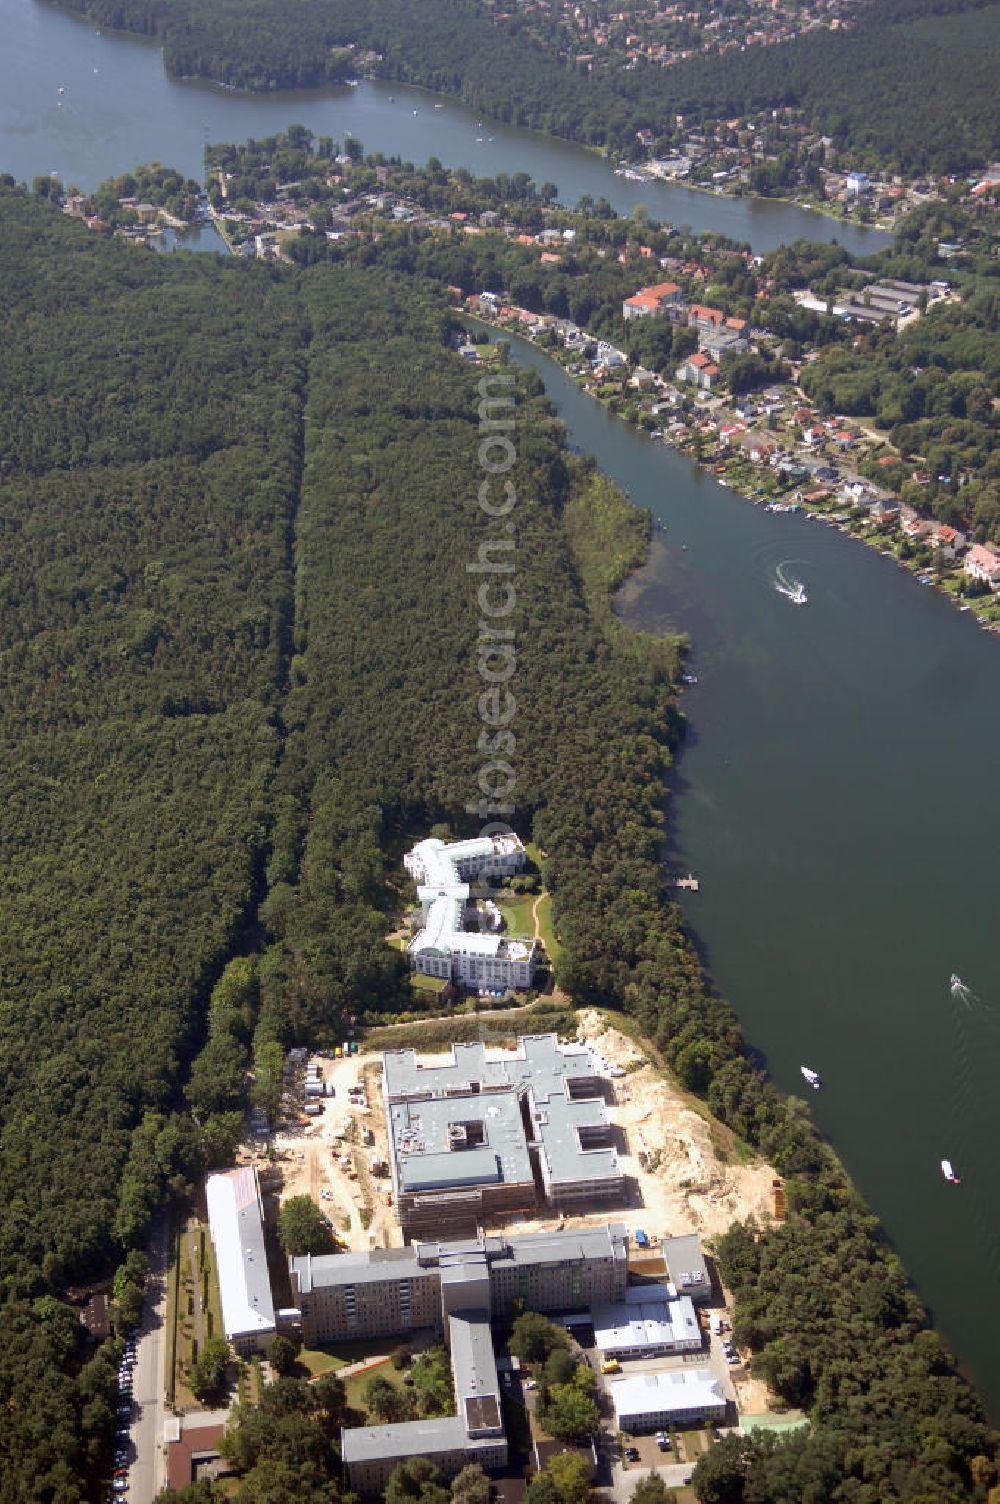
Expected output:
(147, 1471)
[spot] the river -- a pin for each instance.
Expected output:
(120, 108)
(837, 796)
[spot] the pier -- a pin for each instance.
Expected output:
(690, 882)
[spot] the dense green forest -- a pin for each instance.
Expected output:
(149, 451)
(866, 88)
(244, 664)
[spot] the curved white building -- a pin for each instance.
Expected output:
(443, 947)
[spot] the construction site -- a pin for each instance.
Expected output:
(681, 1172)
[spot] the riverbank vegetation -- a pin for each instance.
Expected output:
(242, 669)
(864, 87)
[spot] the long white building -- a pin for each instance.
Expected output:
(443, 947)
(236, 1221)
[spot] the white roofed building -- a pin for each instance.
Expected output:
(236, 1221)
(646, 1325)
(651, 1400)
(443, 947)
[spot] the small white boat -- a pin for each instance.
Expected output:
(948, 1172)
(811, 1076)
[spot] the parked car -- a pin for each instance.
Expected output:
(631, 1454)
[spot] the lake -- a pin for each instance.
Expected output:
(837, 796)
(120, 108)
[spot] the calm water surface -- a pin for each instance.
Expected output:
(120, 109)
(838, 797)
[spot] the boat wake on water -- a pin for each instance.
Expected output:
(787, 585)
(961, 992)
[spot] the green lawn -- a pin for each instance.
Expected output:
(356, 1385)
(329, 1359)
(420, 983)
(516, 910)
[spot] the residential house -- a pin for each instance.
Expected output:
(982, 562)
(651, 300)
(913, 526)
(699, 370)
(608, 356)
(884, 512)
(947, 540)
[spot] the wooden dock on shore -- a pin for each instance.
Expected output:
(690, 882)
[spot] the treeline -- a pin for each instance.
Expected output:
(866, 88)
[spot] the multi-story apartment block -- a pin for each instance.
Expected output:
(391, 1291)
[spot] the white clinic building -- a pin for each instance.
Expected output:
(236, 1221)
(443, 947)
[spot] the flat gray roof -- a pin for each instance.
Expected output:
(461, 1259)
(419, 1135)
(408, 1438)
(474, 1085)
(685, 1262)
(474, 1370)
(317, 1271)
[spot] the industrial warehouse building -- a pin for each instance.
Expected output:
(646, 1325)
(344, 1297)
(648, 1401)
(467, 1136)
(236, 1222)
(443, 947)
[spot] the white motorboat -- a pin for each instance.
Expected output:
(811, 1076)
(948, 1172)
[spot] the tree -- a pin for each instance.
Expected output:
(282, 1355)
(560, 1367)
(385, 1403)
(302, 1228)
(415, 1482)
(533, 1337)
(571, 1412)
(571, 1475)
(542, 1490)
(208, 1371)
(652, 1490)
(721, 1472)
(470, 1486)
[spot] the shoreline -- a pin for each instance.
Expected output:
(744, 479)
(635, 174)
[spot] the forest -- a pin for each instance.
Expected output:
(242, 669)
(865, 88)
